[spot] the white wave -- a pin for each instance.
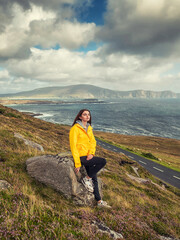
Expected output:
(44, 115)
(177, 128)
(11, 105)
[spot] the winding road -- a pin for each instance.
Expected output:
(167, 175)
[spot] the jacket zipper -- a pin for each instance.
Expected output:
(83, 130)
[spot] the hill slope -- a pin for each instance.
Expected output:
(30, 210)
(89, 91)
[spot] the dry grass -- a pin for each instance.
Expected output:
(30, 210)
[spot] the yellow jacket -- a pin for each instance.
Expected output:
(82, 143)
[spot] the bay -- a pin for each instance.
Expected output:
(149, 117)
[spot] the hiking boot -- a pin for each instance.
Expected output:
(103, 204)
(87, 182)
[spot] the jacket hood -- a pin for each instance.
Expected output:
(81, 124)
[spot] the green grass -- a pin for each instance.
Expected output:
(2, 111)
(149, 156)
(12, 115)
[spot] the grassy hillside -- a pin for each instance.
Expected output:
(30, 210)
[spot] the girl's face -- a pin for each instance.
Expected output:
(85, 117)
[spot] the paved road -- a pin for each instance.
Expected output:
(165, 174)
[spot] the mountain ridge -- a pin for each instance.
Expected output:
(82, 91)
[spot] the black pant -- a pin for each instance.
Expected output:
(93, 166)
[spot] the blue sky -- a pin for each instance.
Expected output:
(94, 13)
(119, 45)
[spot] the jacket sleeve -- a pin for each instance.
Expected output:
(73, 145)
(93, 144)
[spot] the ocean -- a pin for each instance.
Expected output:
(148, 117)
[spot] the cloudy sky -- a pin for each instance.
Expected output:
(115, 44)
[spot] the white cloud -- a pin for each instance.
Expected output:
(158, 9)
(39, 27)
(4, 74)
(67, 34)
(16, 39)
(54, 65)
(142, 26)
(142, 43)
(115, 71)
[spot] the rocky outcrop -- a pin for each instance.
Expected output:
(29, 143)
(57, 171)
(135, 169)
(139, 180)
(145, 181)
(101, 227)
(168, 238)
(4, 185)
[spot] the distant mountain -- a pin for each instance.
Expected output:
(84, 91)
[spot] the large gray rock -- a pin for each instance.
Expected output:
(57, 171)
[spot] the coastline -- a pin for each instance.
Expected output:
(32, 114)
(128, 123)
(33, 101)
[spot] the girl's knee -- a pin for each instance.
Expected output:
(104, 161)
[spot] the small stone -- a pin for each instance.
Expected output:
(168, 238)
(101, 227)
(4, 185)
(136, 171)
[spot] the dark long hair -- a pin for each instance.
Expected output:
(80, 114)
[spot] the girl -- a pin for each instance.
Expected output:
(83, 147)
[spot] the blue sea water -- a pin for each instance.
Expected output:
(155, 117)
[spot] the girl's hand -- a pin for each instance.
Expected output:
(77, 170)
(89, 157)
